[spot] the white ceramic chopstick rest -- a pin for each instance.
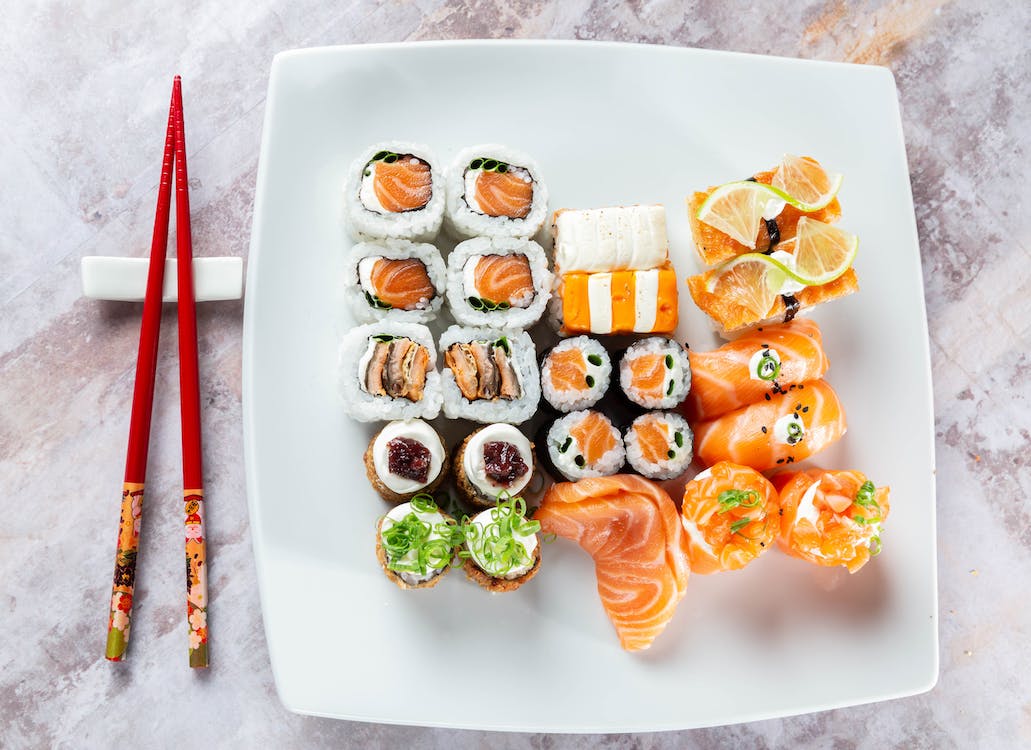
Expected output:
(125, 279)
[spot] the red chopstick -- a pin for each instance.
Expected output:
(189, 389)
(120, 615)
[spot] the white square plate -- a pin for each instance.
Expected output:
(609, 124)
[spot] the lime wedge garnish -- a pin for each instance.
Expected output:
(822, 252)
(806, 183)
(752, 280)
(737, 208)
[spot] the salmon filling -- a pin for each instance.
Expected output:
(568, 370)
(500, 280)
(395, 183)
(593, 435)
(498, 189)
(483, 370)
(396, 368)
(401, 284)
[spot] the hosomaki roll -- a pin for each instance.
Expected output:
(655, 373)
(575, 374)
(583, 444)
(659, 445)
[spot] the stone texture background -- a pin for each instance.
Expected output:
(83, 97)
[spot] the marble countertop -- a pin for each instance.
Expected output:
(83, 95)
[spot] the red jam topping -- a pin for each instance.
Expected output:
(409, 459)
(503, 462)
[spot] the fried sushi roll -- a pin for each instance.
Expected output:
(395, 189)
(405, 458)
(730, 514)
(502, 550)
(583, 444)
(492, 461)
(575, 374)
(394, 280)
(659, 445)
(655, 373)
(495, 191)
(416, 543)
(831, 518)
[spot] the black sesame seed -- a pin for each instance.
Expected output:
(764, 429)
(805, 409)
(780, 460)
(767, 396)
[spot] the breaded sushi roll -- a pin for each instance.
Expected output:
(492, 461)
(502, 282)
(495, 191)
(502, 551)
(395, 189)
(659, 445)
(490, 375)
(655, 373)
(583, 444)
(575, 374)
(415, 543)
(388, 371)
(395, 280)
(405, 458)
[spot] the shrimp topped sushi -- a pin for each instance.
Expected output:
(583, 444)
(730, 514)
(395, 189)
(575, 374)
(831, 518)
(394, 279)
(655, 373)
(415, 543)
(495, 191)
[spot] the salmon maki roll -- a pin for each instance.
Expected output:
(730, 514)
(831, 518)
(498, 281)
(495, 191)
(765, 361)
(659, 445)
(394, 280)
(395, 190)
(655, 373)
(575, 374)
(583, 444)
(631, 528)
(780, 429)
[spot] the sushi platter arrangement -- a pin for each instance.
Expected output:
(520, 362)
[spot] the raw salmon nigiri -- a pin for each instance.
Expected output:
(765, 361)
(780, 429)
(831, 517)
(630, 527)
(730, 514)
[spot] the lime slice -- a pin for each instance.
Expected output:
(737, 208)
(822, 252)
(752, 280)
(805, 184)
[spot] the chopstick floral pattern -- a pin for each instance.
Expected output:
(120, 617)
(196, 577)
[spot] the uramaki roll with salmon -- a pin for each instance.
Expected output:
(495, 191)
(659, 445)
(394, 280)
(583, 444)
(395, 189)
(500, 281)
(575, 374)
(655, 373)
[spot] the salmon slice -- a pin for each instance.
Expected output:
(761, 435)
(715, 247)
(505, 278)
(593, 434)
(725, 379)
(830, 518)
(568, 370)
(505, 193)
(730, 514)
(653, 438)
(649, 374)
(403, 284)
(404, 185)
(630, 527)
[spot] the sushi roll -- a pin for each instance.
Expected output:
(502, 551)
(655, 373)
(490, 375)
(395, 189)
(501, 281)
(658, 445)
(495, 191)
(405, 458)
(583, 444)
(731, 516)
(779, 430)
(415, 543)
(767, 361)
(618, 238)
(493, 460)
(575, 374)
(831, 518)
(394, 280)
(388, 371)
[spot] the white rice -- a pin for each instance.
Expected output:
(514, 317)
(418, 226)
(565, 462)
(588, 396)
(463, 221)
(392, 249)
(667, 468)
(679, 374)
(368, 408)
(523, 355)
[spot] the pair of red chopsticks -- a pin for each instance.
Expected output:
(119, 619)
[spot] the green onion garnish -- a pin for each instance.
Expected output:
(735, 528)
(476, 164)
(380, 155)
(795, 432)
(423, 503)
(678, 438)
(669, 390)
(669, 361)
(502, 167)
(768, 367)
(671, 454)
(738, 499)
(865, 497)
(390, 158)
(475, 302)
(875, 546)
(490, 165)
(503, 305)
(494, 546)
(565, 445)
(594, 359)
(503, 344)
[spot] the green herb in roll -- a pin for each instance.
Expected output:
(502, 551)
